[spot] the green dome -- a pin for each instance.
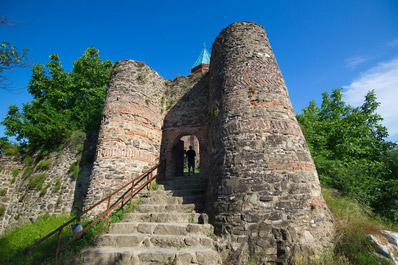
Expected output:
(204, 58)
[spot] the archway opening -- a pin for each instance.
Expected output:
(187, 156)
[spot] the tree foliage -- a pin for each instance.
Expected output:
(10, 57)
(62, 101)
(350, 150)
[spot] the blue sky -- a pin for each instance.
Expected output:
(319, 45)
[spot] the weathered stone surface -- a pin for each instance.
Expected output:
(262, 167)
(130, 135)
(160, 238)
(386, 245)
(188, 116)
(22, 203)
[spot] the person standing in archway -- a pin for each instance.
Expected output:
(191, 160)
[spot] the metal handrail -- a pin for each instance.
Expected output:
(133, 189)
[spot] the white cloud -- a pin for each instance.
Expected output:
(393, 43)
(354, 61)
(383, 78)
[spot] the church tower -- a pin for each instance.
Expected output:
(201, 64)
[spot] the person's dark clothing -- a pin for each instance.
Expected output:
(191, 155)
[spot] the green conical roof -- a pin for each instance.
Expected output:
(204, 58)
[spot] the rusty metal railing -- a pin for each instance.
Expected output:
(133, 186)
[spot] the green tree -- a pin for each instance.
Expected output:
(62, 101)
(10, 57)
(350, 150)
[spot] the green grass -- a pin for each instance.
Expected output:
(28, 170)
(3, 192)
(43, 165)
(353, 223)
(196, 170)
(44, 190)
(13, 244)
(154, 185)
(57, 186)
(251, 261)
(22, 196)
(15, 172)
(28, 160)
(17, 216)
(77, 138)
(74, 168)
(42, 154)
(36, 182)
(2, 210)
(11, 151)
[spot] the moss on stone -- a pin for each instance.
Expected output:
(44, 190)
(36, 182)
(27, 172)
(57, 186)
(74, 168)
(43, 165)
(15, 172)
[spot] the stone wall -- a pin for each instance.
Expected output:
(187, 117)
(7, 185)
(130, 135)
(60, 192)
(264, 195)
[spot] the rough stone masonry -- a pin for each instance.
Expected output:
(263, 194)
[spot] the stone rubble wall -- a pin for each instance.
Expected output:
(130, 135)
(264, 195)
(22, 203)
(6, 168)
(187, 117)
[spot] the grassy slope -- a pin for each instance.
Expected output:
(353, 223)
(13, 244)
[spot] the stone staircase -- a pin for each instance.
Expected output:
(168, 227)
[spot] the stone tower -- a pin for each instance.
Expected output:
(130, 135)
(264, 195)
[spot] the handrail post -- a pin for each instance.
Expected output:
(132, 191)
(150, 180)
(107, 209)
(58, 244)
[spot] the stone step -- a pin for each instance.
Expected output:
(162, 208)
(181, 192)
(174, 200)
(182, 186)
(150, 256)
(196, 218)
(153, 241)
(181, 229)
(183, 180)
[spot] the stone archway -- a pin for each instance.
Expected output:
(171, 138)
(179, 155)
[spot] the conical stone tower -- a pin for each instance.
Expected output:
(264, 195)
